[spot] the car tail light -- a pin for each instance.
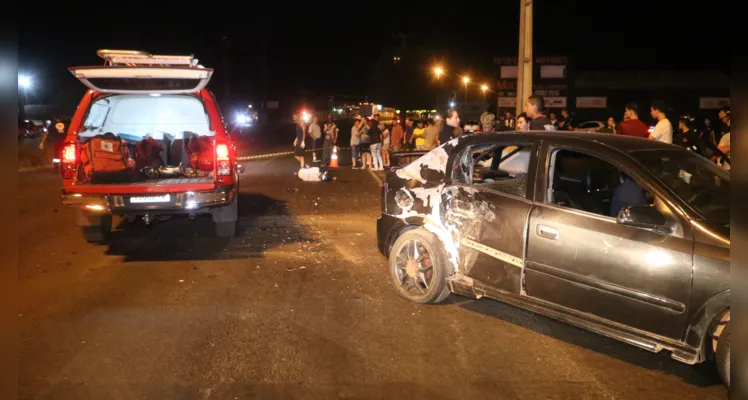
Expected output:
(223, 160)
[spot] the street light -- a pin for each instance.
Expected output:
(24, 83)
(438, 71)
(484, 88)
(466, 80)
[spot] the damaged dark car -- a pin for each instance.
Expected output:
(625, 237)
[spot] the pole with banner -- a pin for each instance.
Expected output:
(524, 67)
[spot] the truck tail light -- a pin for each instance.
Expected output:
(223, 160)
(222, 152)
(69, 155)
(69, 158)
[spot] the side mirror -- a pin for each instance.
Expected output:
(645, 217)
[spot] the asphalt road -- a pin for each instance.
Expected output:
(298, 306)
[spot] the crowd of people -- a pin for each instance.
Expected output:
(372, 141)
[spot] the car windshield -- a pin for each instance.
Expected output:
(699, 182)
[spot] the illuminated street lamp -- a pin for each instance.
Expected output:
(24, 83)
(466, 80)
(438, 71)
(484, 88)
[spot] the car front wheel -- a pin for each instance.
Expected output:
(419, 267)
(723, 355)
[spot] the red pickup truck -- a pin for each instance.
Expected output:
(137, 98)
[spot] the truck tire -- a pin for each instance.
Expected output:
(426, 281)
(98, 234)
(723, 355)
(225, 219)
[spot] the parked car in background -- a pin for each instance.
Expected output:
(589, 126)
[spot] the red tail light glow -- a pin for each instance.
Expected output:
(68, 153)
(222, 152)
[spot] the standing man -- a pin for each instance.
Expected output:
(724, 117)
(663, 131)
(397, 136)
(507, 122)
(430, 135)
(535, 109)
(567, 122)
(408, 132)
(451, 121)
(631, 124)
(331, 139)
(315, 132)
(355, 141)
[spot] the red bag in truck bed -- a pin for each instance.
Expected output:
(202, 153)
(106, 159)
(148, 153)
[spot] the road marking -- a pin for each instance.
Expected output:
(492, 252)
(376, 178)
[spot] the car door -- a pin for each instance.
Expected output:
(489, 210)
(580, 258)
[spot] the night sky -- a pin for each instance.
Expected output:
(333, 47)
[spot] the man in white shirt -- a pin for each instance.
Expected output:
(355, 140)
(663, 131)
(316, 133)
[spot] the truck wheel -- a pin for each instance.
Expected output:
(723, 355)
(225, 219)
(98, 234)
(225, 229)
(419, 267)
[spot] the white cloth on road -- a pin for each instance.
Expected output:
(309, 174)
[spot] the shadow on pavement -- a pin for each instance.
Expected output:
(264, 223)
(702, 375)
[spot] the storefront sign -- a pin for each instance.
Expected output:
(555, 102)
(592, 102)
(507, 102)
(713, 103)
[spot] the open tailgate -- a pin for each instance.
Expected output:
(137, 79)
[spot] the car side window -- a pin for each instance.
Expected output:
(502, 167)
(588, 183)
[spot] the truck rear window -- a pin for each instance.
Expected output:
(138, 115)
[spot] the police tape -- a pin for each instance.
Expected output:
(279, 154)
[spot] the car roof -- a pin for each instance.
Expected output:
(619, 142)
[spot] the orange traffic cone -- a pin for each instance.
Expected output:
(334, 158)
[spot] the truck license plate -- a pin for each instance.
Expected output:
(150, 199)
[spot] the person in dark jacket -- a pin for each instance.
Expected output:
(535, 109)
(451, 122)
(627, 194)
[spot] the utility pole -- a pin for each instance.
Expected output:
(265, 35)
(524, 67)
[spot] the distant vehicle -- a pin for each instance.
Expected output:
(472, 126)
(590, 126)
(624, 237)
(147, 147)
